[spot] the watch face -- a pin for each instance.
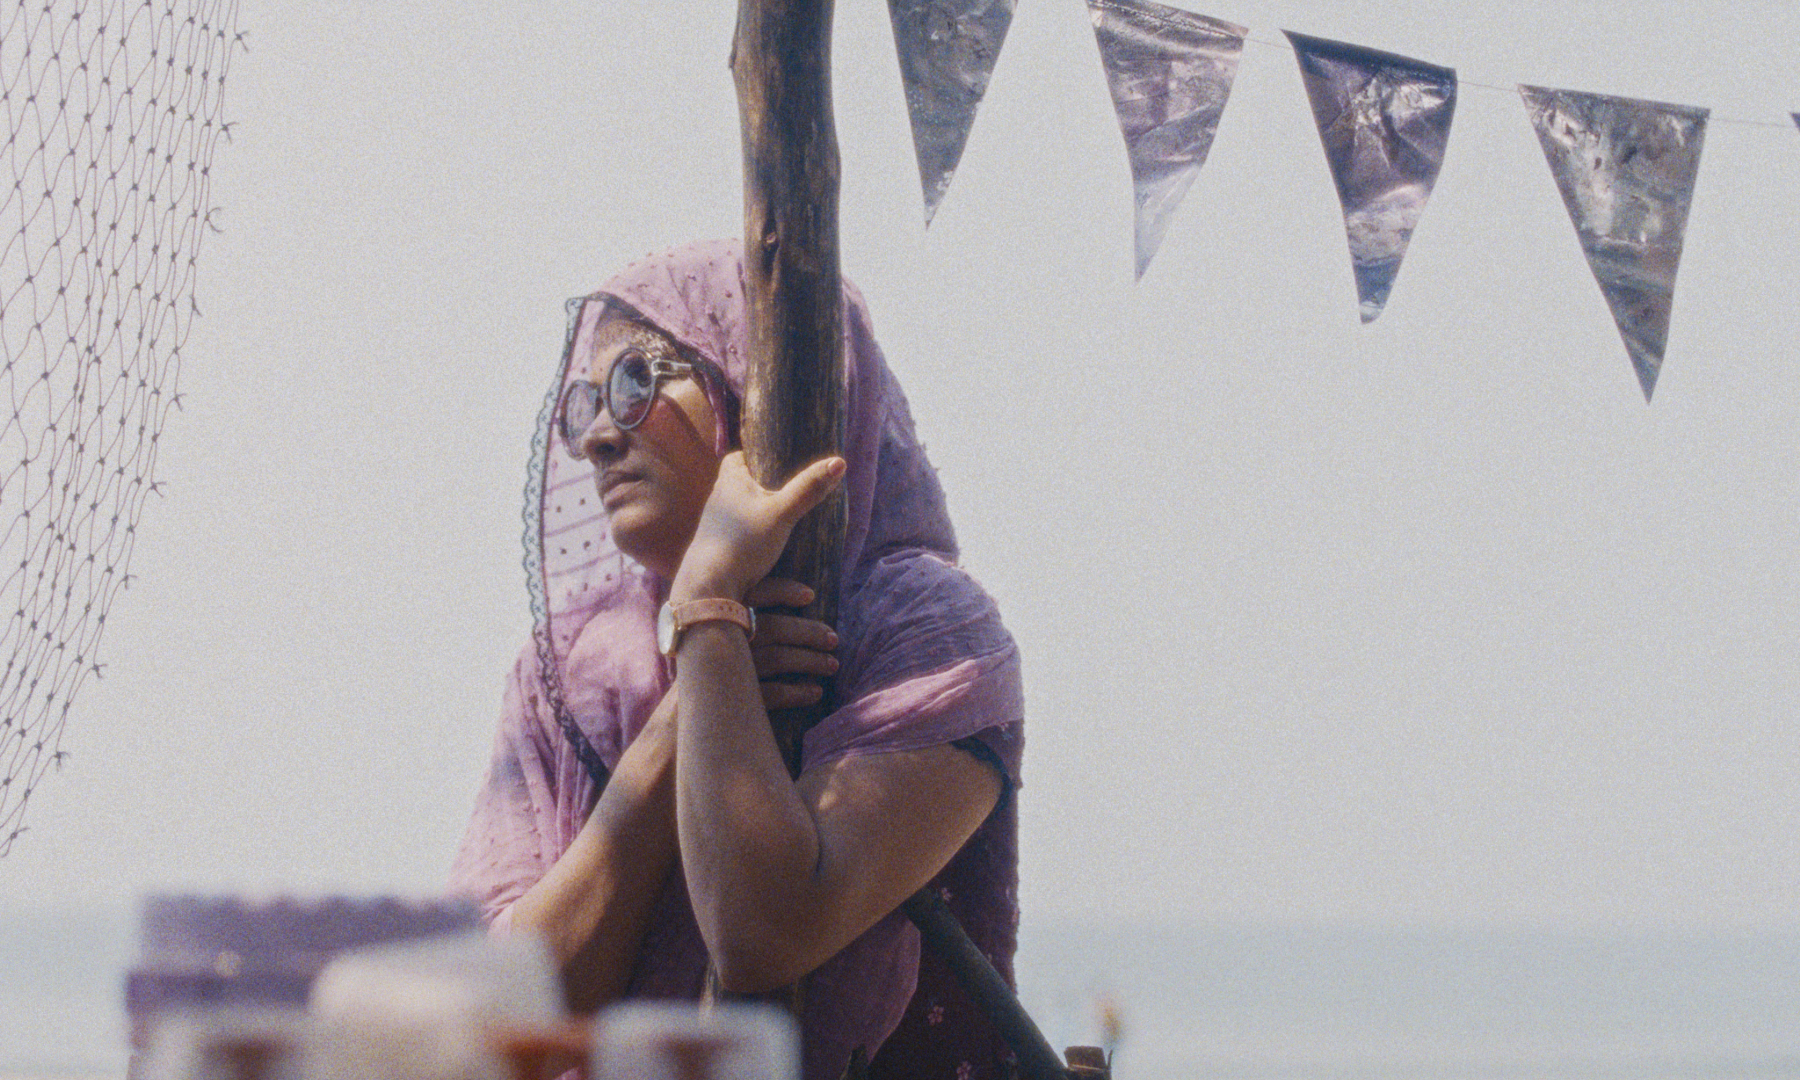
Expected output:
(665, 630)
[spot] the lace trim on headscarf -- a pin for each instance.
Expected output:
(548, 665)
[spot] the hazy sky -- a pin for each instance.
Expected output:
(1426, 622)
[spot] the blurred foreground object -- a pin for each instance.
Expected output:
(202, 954)
(666, 1041)
(431, 1010)
(444, 1041)
(233, 1044)
(112, 111)
(387, 990)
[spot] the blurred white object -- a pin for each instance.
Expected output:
(428, 1010)
(204, 953)
(230, 1044)
(507, 979)
(668, 1041)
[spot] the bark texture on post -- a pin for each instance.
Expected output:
(794, 403)
(794, 400)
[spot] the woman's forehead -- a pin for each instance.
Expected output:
(614, 334)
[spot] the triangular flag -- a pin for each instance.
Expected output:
(1384, 120)
(947, 52)
(1626, 172)
(1170, 72)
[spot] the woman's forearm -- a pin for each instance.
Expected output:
(749, 845)
(782, 875)
(595, 903)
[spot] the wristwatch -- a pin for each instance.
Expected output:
(674, 619)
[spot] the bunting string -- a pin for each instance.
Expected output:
(1513, 90)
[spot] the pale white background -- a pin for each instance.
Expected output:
(1426, 623)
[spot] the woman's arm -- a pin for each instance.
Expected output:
(594, 904)
(783, 875)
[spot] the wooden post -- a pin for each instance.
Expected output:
(794, 401)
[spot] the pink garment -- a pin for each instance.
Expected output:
(925, 661)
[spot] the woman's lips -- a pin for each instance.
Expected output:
(614, 486)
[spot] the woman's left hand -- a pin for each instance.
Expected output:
(793, 654)
(745, 526)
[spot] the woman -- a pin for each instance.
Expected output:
(636, 811)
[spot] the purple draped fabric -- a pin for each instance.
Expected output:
(925, 661)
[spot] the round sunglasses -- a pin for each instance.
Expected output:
(626, 395)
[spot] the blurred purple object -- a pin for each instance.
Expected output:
(1626, 172)
(1170, 73)
(200, 953)
(947, 53)
(1385, 121)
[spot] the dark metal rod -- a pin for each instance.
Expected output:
(945, 937)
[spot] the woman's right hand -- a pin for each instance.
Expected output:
(792, 654)
(744, 526)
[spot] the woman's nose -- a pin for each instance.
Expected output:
(602, 442)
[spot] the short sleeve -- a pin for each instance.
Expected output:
(926, 662)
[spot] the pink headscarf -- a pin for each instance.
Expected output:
(925, 659)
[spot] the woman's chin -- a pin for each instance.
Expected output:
(640, 536)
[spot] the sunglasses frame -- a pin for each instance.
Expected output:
(661, 369)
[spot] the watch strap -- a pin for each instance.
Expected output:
(678, 617)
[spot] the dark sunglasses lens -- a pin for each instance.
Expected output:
(630, 389)
(581, 403)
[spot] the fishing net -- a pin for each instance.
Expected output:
(111, 111)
